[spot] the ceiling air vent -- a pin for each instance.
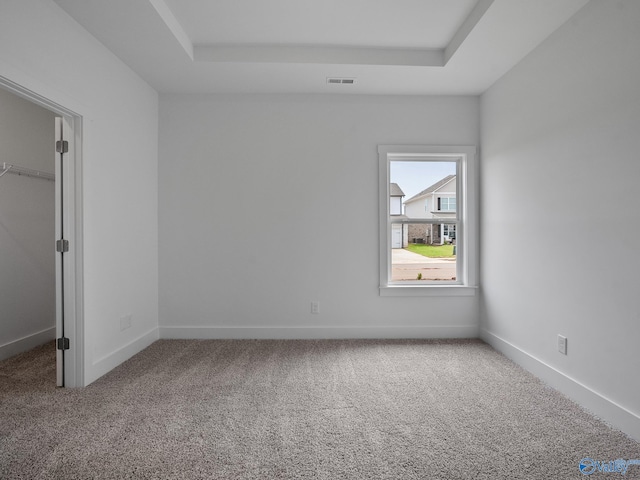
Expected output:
(341, 81)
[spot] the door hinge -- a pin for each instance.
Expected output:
(62, 146)
(62, 246)
(63, 343)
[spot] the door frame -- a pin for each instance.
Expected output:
(72, 214)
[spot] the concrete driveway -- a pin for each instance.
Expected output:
(406, 265)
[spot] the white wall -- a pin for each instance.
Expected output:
(270, 202)
(559, 129)
(44, 50)
(416, 209)
(27, 227)
(395, 206)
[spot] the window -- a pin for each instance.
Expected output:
(449, 232)
(447, 204)
(428, 251)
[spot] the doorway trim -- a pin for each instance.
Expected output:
(72, 210)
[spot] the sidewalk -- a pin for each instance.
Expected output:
(406, 265)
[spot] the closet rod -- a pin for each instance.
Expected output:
(27, 172)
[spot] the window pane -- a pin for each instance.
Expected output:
(428, 188)
(423, 252)
(447, 204)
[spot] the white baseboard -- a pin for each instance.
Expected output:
(27, 343)
(109, 362)
(598, 404)
(311, 333)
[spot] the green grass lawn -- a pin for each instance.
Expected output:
(432, 251)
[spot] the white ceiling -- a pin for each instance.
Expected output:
(292, 46)
(424, 24)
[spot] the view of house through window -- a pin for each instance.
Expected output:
(423, 220)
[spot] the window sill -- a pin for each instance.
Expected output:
(427, 291)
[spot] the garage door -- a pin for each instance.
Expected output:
(396, 236)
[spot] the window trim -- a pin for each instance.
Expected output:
(466, 214)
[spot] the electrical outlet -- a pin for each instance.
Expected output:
(125, 322)
(562, 344)
(315, 307)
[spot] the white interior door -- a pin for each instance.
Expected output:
(63, 131)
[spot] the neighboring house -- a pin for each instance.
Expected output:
(398, 231)
(437, 201)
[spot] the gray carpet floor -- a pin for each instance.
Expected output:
(347, 409)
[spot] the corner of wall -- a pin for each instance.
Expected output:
(107, 363)
(27, 343)
(593, 401)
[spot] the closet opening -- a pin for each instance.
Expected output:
(40, 244)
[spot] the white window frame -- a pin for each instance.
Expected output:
(466, 219)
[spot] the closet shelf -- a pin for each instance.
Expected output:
(27, 172)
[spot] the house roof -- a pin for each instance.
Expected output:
(395, 190)
(432, 189)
